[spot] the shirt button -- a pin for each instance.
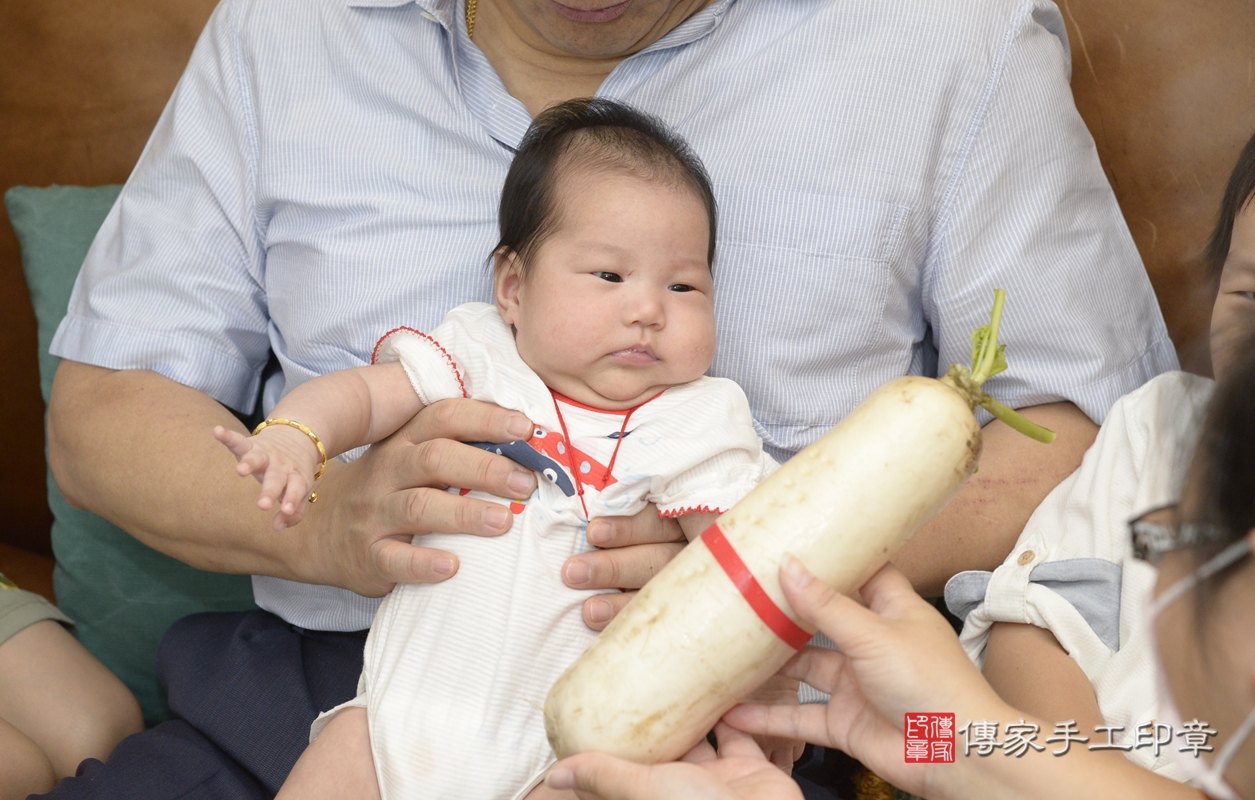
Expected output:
(1026, 557)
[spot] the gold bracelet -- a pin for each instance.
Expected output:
(322, 451)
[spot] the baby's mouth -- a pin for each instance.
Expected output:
(639, 354)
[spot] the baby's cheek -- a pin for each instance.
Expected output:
(704, 351)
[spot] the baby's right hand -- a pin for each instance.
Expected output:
(283, 460)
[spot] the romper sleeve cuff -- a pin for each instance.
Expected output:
(432, 370)
(715, 486)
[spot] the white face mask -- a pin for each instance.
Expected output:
(1209, 779)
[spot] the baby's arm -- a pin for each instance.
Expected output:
(345, 409)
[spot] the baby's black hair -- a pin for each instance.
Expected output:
(1237, 195)
(596, 134)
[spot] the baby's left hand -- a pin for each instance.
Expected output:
(778, 691)
(283, 460)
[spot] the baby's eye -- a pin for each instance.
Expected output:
(681, 287)
(1248, 295)
(613, 277)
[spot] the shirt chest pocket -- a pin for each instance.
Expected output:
(800, 283)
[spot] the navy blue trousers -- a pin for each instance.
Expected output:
(244, 688)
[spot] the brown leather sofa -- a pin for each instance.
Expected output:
(1166, 86)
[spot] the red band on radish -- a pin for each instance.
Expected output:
(749, 587)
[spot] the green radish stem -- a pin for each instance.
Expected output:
(988, 359)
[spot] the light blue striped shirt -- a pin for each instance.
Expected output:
(328, 170)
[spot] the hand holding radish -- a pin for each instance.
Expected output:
(737, 771)
(779, 690)
(283, 460)
(897, 655)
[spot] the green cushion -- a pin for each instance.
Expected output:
(121, 594)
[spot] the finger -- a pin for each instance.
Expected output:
(643, 528)
(253, 462)
(294, 495)
(443, 463)
(397, 561)
(808, 723)
(236, 442)
(818, 666)
(734, 743)
(782, 754)
(840, 618)
(467, 421)
(426, 510)
(272, 485)
(600, 609)
(605, 776)
(610, 778)
(887, 589)
(702, 751)
(623, 568)
(799, 747)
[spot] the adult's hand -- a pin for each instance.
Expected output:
(397, 489)
(630, 551)
(738, 771)
(138, 449)
(898, 655)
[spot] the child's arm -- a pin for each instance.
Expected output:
(346, 409)
(1030, 670)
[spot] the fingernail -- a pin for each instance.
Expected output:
(598, 533)
(442, 566)
(599, 611)
(496, 516)
(560, 779)
(798, 575)
(519, 427)
(578, 573)
(521, 483)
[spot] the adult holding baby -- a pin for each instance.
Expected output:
(878, 170)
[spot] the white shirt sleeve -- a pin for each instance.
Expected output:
(471, 353)
(175, 280)
(722, 456)
(1028, 209)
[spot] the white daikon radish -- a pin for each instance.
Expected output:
(714, 625)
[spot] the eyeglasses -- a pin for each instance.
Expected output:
(1157, 532)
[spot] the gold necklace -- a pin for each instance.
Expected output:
(470, 18)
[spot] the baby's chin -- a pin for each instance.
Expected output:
(612, 396)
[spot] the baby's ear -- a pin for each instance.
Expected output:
(507, 279)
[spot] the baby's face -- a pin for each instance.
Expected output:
(618, 303)
(1233, 316)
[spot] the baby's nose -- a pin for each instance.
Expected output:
(646, 309)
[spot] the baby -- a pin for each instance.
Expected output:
(602, 329)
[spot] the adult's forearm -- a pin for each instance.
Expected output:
(978, 528)
(137, 449)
